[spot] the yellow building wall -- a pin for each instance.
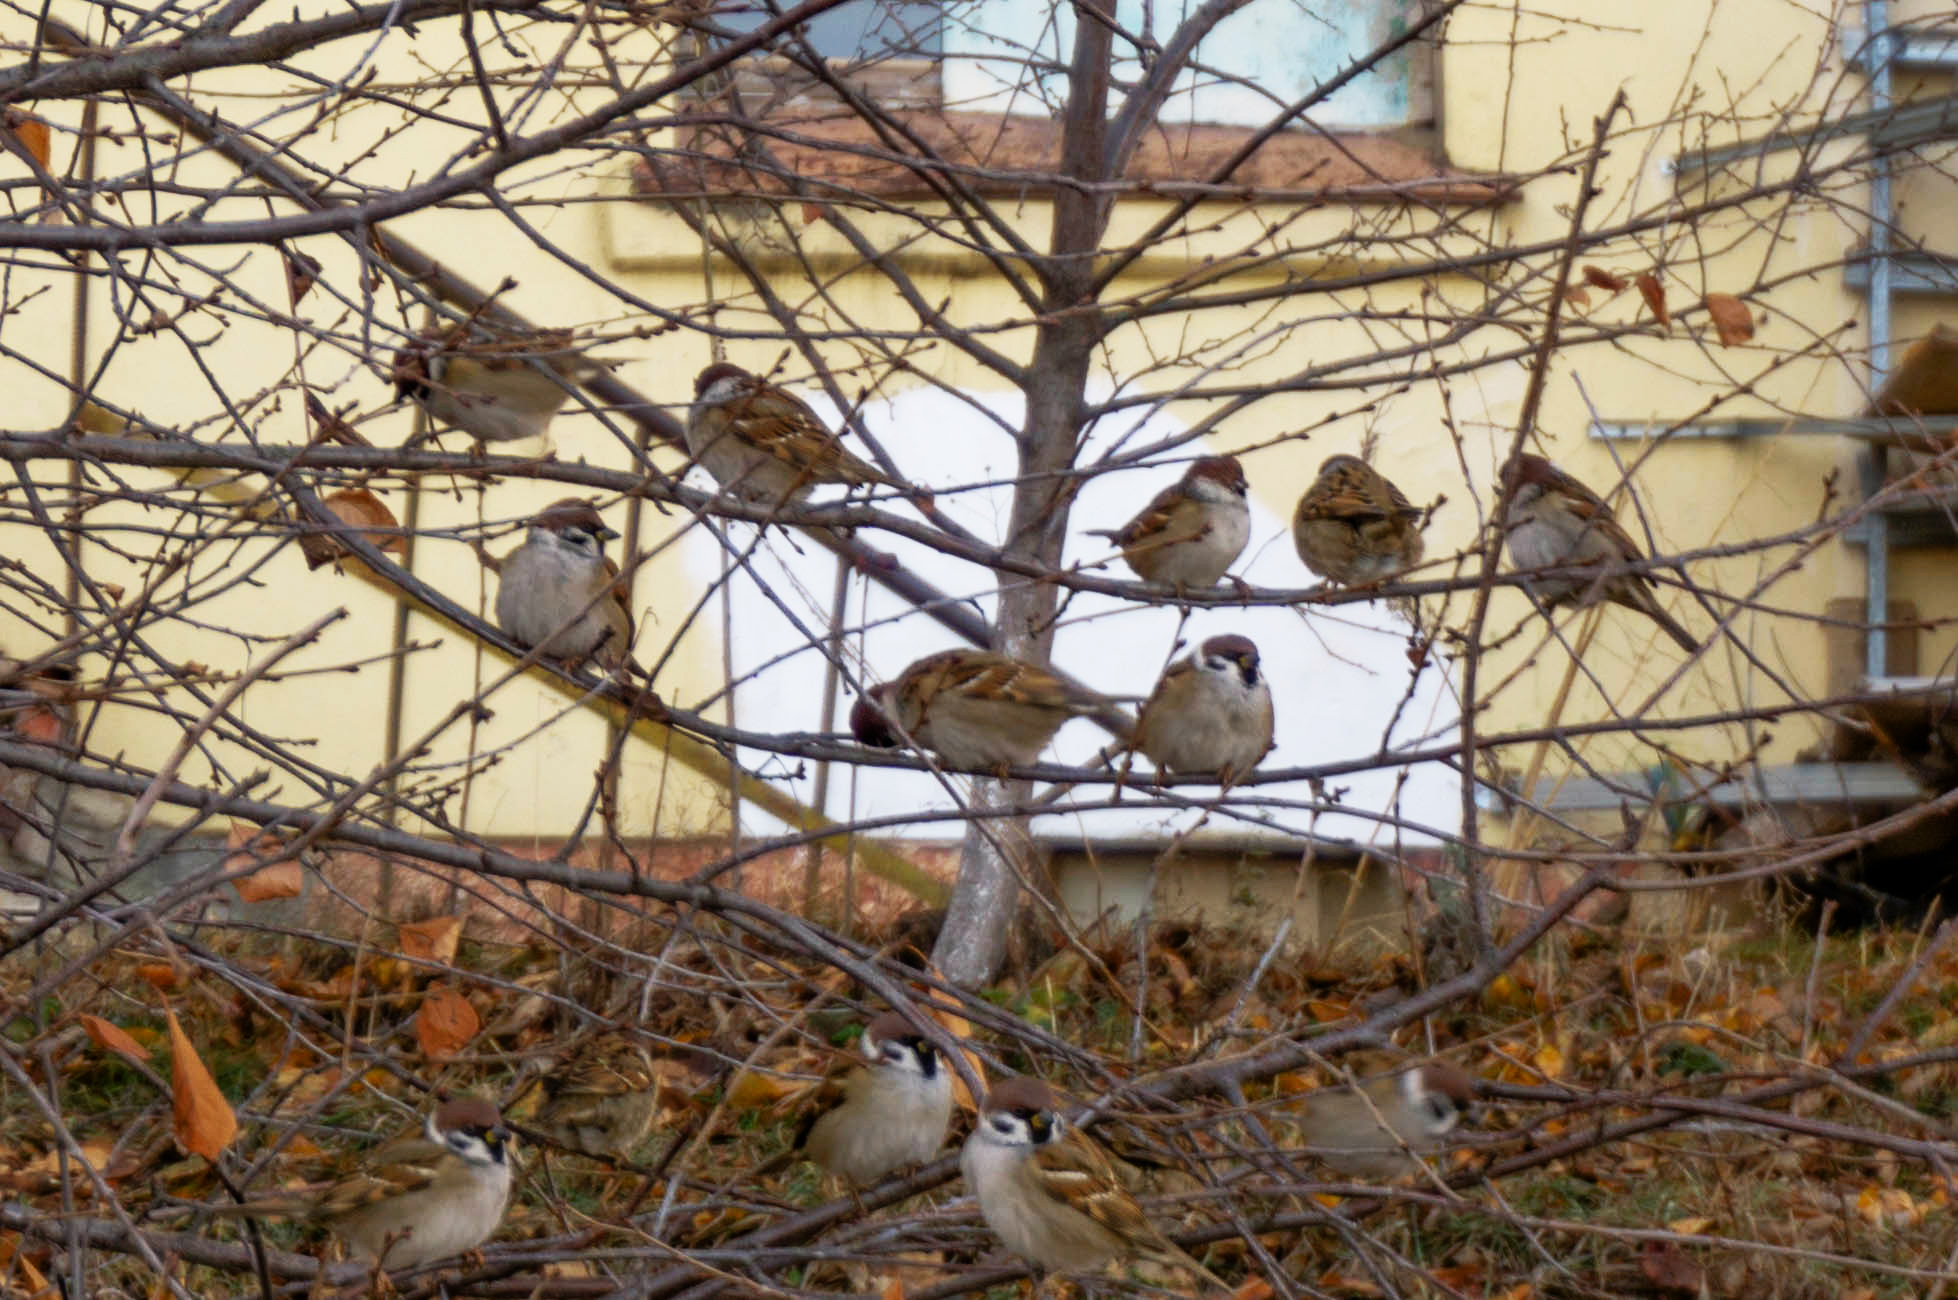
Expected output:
(1504, 107)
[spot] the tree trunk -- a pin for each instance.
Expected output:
(972, 945)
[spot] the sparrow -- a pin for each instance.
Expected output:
(1050, 1192)
(1193, 530)
(1354, 527)
(426, 1201)
(1384, 1133)
(1210, 712)
(883, 1115)
(558, 590)
(763, 443)
(973, 708)
(1557, 522)
(603, 1103)
(495, 388)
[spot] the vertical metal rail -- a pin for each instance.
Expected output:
(1876, 553)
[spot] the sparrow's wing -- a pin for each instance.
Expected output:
(1079, 1174)
(1598, 518)
(1353, 494)
(1172, 514)
(781, 424)
(983, 675)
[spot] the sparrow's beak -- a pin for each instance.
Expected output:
(1040, 1125)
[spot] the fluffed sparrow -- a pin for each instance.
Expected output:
(1051, 1193)
(1556, 522)
(496, 387)
(604, 1102)
(973, 708)
(1210, 712)
(560, 592)
(885, 1115)
(1353, 527)
(1384, 1133)
(762, 442)
(1194, 529)
(419, 1201)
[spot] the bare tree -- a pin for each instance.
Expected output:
(1019, 263)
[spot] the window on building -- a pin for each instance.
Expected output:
(1010, 56)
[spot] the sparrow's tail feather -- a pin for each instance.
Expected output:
(1648, 604)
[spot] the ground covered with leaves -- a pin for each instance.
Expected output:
(1756, 1114)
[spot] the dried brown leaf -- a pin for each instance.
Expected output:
(445, 1023)
(302, 273)
(1668, 1269)
(358, 508)
(32, 132)
(1599, 278)
(432, 940)
(1731, 318)
(202, 1119)
(1654, 294)
(1577, 296)
(280, 880)
(114, 1038)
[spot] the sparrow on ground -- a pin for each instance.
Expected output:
(496, 387)
(1210, 713)
(1051, 1193)
(416, 1202)
(1556, 522)
(604, 1102)
(763, 443)
(884, 1115)
(560, 592)
(1193, 530)
(973, 708)
(1354, 527)
(1382, 1129)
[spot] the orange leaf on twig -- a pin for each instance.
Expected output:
(445, 1023)
(202, 1119)
(1599, 278)
(32, 133)
(1730, 317)
(1654, 294)
(114, 1038)
(302, 273)
(361, 509)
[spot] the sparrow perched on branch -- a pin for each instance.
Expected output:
(1354, 527)
(1210, 712)
(884, 1115)
(1382, 1129)
(560, 592)
(763, 443)
(1193, 530)
(604, 1102)
(975, 709)
(1051, 1193)
(1557, 522)
(496, 387)
(419, 1201)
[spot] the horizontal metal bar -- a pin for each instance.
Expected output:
(1909, 272)
(1901, 126)
(1920, 51)
(1908, 527)
(1909, 685)
(1901, 429)
(1854, 784)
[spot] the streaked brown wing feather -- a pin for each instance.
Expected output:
(1079, 1173)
